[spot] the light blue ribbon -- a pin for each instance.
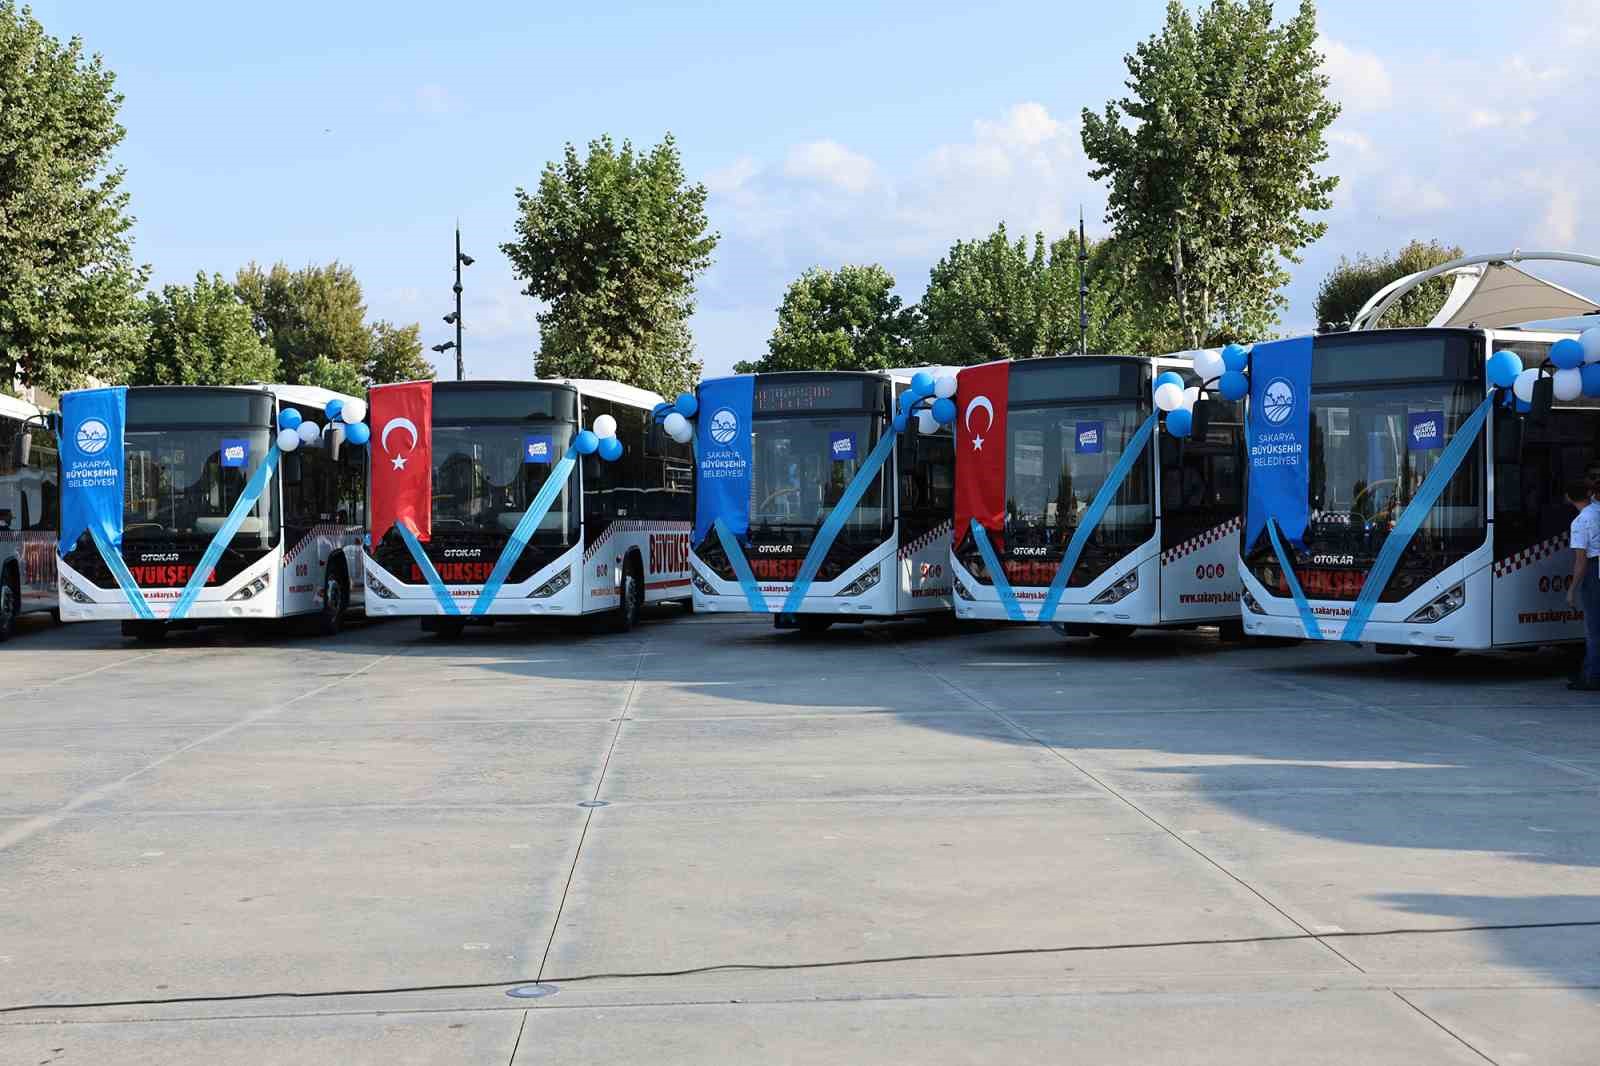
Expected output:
(447, 602)
(119, 569)
(525, 528)
(741, 567)
(223, 537)
(1091, 518)
(1307, 618)
(1412, 517)
(836, 520)
(997, 573)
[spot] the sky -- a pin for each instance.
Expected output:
(826, 133)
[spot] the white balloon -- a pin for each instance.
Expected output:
(944, 386)
(1569, 384)
(1523, 386)
(676, 426)
(288, 440)
(1590, 339)
(310, 433)
(926, 423)
(686, 436)
(353, 411)
(1169, 397)
(606, 426)
(1208, 364)
(1190, 395)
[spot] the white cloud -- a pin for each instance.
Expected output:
(1560, 216)
(733, 177)
(1486, 118)
(1358, 79)
(831, 163)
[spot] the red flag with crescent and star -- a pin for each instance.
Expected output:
(401, 457)
(981, 395)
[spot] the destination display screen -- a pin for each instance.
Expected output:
(1073, 378)
(458, 406)
(842, 394)
(1353, 359)
(198, 407)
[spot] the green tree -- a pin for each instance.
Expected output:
(396, 354)
(315, 312)
(1212, 163)
(69, 290)
(334, 374)
(1354, 281)
(201, 335)
(845, 319)
(612, 244)
(996, 298)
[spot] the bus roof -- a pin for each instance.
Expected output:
(12, 407)
(309, 395)
(598, 388)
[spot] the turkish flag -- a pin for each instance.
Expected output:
(402, 457)
(981, 394)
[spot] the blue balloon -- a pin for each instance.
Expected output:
(901, 421)
(907, 399)
(333, 409)
(944, 409)
(922, 383)
(1180, 422)
(1566, 354)
(586, 443)
(1523, 407)
(1234, 357)
(1169, 376)
(686, 405)
(357, 433)
(289, 418)
(1233, 385)
(610, 449)
(1504, 367)
(1591, 379)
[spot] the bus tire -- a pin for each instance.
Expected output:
(1112, 632)
(812, 624)
(10, 602)
(445, 628)
(145, 632)
(335, 597)
(632, 595)
(1231, 632)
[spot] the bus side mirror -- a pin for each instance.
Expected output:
(1171, 451)
(1544, 398)
(293, 470)
(1508, 441)
(1201, 420)
(335, 443)
(21, 449)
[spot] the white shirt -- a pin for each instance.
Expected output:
(1586, 530)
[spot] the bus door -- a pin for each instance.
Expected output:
(926, 486)
(1202, 482)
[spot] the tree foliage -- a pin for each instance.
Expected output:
(396, 354)
(845, 319)
(334, 374)
(317, 311)
(201, 335)
(69, 303)
(1211, 163)
(612, 243)
(1354, 281)
(996, 298)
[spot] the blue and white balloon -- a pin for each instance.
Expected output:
(605, 426)
(1168, 377)
(333, 409)
(1235, 357)
(1169, 395)
(1566, 354)
(1208, 364)
(944, 410)
(310, 433)
(1503, 368)
(1568, 384)
(357, 433)
(288, 439)
(1523, 386)
(901, 421)
(945, 387)
(586, 443)
(1180, 422)
(922, 383)
(677, 427)
(353, 411)
(289, 418)
(686, 404)
(610, 449)
(1590, 372)
(1590, 339)
(1234, 385)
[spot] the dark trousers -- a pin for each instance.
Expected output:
(1589, 598)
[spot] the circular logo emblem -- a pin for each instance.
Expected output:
(92, 436)
(1277, 400)
(724, 425)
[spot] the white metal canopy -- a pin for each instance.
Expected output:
(1488, 292)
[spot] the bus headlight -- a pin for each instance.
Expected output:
(1448, 602)
(1250, 603)
(961, 590)
(74, 593)
(1129, 583)
(378, 589)
(701, 585)
(553, 586)
(251, 589)
(862, 583)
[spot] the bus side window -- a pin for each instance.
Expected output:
(43, 458)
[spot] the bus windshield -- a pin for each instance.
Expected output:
(486, 475)
(1057, 458)
(802, 464)
(182, 483)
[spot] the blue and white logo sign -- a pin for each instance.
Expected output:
(538, 448)
(842, 446)
(92, 436)
(1426, 430)
(1277, 401)
(1089, 438)
(724, 425)
(235, 453)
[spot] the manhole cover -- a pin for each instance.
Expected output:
(531, 991)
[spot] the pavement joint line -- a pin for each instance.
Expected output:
(24, 690)
(40, 823)
(521, 1026)
(577, 852)
(1023, 731)
(1457, 1037)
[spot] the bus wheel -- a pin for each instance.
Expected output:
(145, 632)
(632, 605)
(1112, 632)
(814, 623)
(1231, 632)
(10, 603)
(335, 595)
(446, 628)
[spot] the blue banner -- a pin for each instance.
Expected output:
(1278, 434)
(91, 466)
(722, 454)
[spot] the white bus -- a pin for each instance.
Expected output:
(30, 500)
(1146, 522)
(1481, 560)
(613, 538)
(809, 436)
(189, 454)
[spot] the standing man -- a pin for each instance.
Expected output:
(1585, 587)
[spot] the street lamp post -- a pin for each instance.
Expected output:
(454, 317)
